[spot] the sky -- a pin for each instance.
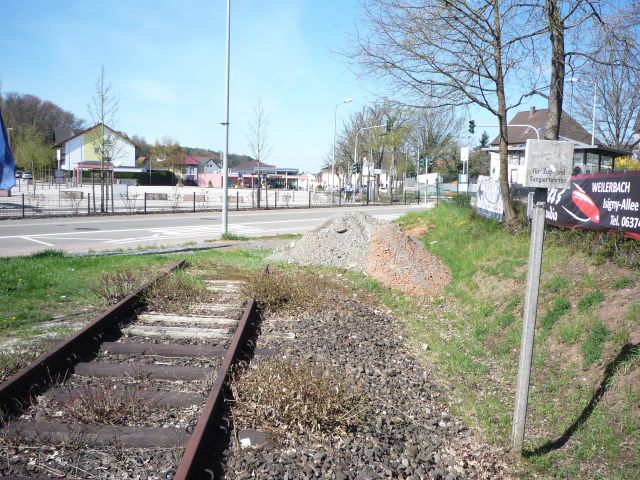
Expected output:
(165, 60)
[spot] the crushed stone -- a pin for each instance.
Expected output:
(359, 242)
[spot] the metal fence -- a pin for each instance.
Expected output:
(46, 200)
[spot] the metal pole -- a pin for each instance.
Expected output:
(194, 201)
(23, 205)
(88, 204)
(145, 202)
(225, 159)
(333, 164)
(529, 323)
(593, 116)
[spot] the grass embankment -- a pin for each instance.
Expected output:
(584, 413)
(37, 289)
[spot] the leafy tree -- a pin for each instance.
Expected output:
(30, 148)
(166, 153)
(19, 109)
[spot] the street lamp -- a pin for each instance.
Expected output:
(355, 153)
(593, 115)
(225, 157)
(333, 166)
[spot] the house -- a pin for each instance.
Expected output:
(79, 150)
(590, 156)
(207, 164)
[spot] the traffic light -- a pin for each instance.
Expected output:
(356, 167)
(472, 126)
(421, 162)
(431, 164)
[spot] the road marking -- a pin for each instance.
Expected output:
(38, 241)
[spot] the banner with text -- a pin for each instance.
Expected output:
(601, 201)
(489, 198)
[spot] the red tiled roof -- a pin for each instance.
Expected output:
(189, 160)
(569, 128)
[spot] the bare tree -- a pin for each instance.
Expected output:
(257, 138)
(452, 53)
(103, 111)
(597, 38)
(435, 132)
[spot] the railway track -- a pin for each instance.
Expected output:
(134, 390)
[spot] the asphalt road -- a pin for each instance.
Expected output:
(84, 234)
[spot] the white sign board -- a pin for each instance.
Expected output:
(464, 154)
(548, 164)
(489, 201)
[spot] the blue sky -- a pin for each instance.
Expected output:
(165, 61)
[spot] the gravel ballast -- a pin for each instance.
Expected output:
(359, 242)
(406, 433)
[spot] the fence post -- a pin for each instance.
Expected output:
(88, 204)
(405, 198)
(339, 198)
(145, 202)
(237, 201)
(309, 198)
(437, 192)
(275, 205)
(194, 201)
(23, 205)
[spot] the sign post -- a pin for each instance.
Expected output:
(548, 164)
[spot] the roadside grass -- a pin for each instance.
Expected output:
(51, 286)
(37, 288)
(470, 334)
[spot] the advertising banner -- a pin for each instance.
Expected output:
(601, 201)
(489, 198)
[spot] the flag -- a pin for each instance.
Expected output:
(7, 164)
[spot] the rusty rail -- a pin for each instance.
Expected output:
(197, 458)
(15, 391)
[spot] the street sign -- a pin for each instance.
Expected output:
(548, 164)
(464, 154)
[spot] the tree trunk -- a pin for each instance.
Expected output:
(556, 86)
(507, 204)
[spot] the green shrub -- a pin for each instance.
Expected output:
(589, 300)
(593, 345)
(560, 306)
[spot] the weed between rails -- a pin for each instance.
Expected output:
(289, 398)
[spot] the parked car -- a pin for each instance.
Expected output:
(27, 176)
(18, 174)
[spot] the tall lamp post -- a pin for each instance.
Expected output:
(593, 114)
(333, 165)
(355, 149)
(225, 158)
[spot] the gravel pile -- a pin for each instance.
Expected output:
(359, 242)
(407, 433)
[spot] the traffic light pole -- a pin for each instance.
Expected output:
(355, 152)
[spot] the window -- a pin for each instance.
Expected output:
(516, 159)
(592, 163)
(606, 164)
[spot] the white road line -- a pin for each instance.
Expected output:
(37, 241)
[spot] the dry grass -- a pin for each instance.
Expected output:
(287, 291)
(113, 406)
(176, 292)
(114, 286)
(287, 398)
